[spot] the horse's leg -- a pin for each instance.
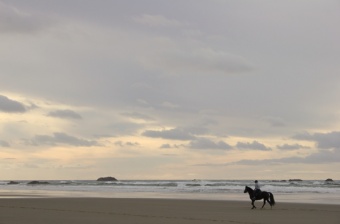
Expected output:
(252, 202)
(264, 202)
(271, 206)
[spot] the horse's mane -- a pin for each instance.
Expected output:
(249, 189)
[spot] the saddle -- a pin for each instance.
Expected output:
(257, 192)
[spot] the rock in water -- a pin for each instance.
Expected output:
(38, 182)
(292, 180)
(106, 179)
(13, 182)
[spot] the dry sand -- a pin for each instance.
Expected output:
(160, 211)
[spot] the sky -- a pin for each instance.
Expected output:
(156, 89)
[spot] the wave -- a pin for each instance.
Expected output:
(188, 186)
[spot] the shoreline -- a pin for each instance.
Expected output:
(156, 210)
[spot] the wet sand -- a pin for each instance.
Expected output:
(149, 211)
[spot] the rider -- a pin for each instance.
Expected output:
(257, 190)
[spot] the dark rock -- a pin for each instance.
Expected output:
(329, 180)
(294, 180)
(13, 182)
(38, 182)
(106, 179)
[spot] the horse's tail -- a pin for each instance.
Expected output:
(272, 200)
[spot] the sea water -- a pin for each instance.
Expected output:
(305, 191)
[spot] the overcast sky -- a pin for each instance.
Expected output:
(156, 89)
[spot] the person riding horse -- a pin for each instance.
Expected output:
(266, 196)
(257, 190)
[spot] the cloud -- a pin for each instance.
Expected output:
(255, 145)
(122, 144)
(124, 128)
(166, 146)
(59, 138)
(292, 147)
(323, 157)
(170, 105)
(205, 143)
(202, 60)
(157, 20)
(173, 134)
(11, 106)
(169, 146)
(304, 136)
(275, 121)
(4, 143)
(323, 140)
(69, 114)
(139, 116)
(13, 20)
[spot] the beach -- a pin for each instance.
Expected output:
(149, 201)
(140, 210)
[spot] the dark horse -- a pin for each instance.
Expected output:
(266, 196)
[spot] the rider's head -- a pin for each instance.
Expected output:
(256, 181)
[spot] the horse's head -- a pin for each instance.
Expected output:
(248, 190)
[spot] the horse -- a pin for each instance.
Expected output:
(266, 196)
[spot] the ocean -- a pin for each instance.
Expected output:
(304, 191)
